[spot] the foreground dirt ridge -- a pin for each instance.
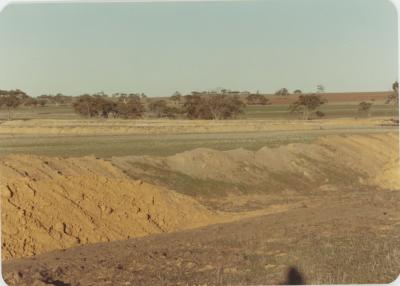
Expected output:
(55, 203)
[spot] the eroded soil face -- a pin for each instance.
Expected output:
(326, 208)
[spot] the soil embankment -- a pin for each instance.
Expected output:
(55, 203)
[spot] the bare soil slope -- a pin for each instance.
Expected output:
(52, 203)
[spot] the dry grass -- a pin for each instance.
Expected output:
(164, 126)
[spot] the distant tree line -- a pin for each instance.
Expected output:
(101, 105)
(193, 106)
(211, 105)
(217, 106)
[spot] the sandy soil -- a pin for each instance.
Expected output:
(58, 203)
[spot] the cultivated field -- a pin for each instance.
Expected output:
(197, 202)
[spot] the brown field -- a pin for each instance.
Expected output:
(338, 97)
(180, 202)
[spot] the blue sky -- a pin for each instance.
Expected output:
(158, 48)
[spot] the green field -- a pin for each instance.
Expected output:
(160, 145)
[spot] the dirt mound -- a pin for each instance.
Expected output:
(53, 203)
(339, 160)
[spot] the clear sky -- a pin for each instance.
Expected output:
(158, 48)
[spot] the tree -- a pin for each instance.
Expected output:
(161, 109)
(11, 99)
(94, 105)
(129, 107)
(10, 102)
(84, 105)
(256, 99)
(195, 107)
(223, 107)
(364, 108)
(31, 102)
(306, 103)
(216, 106)
(393, 98)
(283, 92)
(297, 91)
